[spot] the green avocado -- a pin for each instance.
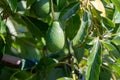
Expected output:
(41, 8)
(55, 37)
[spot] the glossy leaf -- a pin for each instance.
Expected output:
(105, 74)
(116, 17)
(111, 48)
(22, 7)
(83, 30)
(69, 11)
(61, 4)
(108, 23)
(57, 73)
(116, 4)
(45, 66)
(116, 40)
(94, 61)
(33, 29)
(79, 52)
(30, 2)
(13, 4)
(72, 26)
(3, 28)
(65, 78)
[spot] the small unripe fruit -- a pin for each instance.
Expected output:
(55, 37)
(41, 8)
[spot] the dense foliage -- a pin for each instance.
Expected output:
(60, 39)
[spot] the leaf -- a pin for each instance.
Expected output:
(109, 13)
(105, 74)
(83, 30)
(79, 52)
(1, 46)
(33, 29)
(111, 48)
(65, 78)
(116, 68)
(57, 73)
(30, 2)
(45, 66)
(61, 4)
(3, 28)
(99, 6)
(69, 11)
(22, 7)
(116, 40)
(94, 61)
(12, 4)
(116, 4)
(72, 26)
(108, 23)
(116, 17)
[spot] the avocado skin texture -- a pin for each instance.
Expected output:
(55, 37)
(41, 8)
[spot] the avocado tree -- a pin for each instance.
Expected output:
(59, 40)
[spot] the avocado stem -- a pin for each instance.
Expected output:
(52, 9)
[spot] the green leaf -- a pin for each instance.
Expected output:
(12, 4)
(20, 75)
(94, 61)
(109, 13)
(79, 52)
(116, 40)
(65, 78)
(33, 29)
(42, 26)
(57, 73)
(61, 4)
(116, 4)
(22, 7)
(69, 11)
(108, 23)
(116, 68)
(72, 26)
(30, 2)
(111, 48)
(1, 46)
(45, 66)
(105, 74)
(3, 28)
(83, 30)
(116, 17)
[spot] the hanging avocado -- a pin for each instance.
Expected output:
(55, 37)
(41, 8)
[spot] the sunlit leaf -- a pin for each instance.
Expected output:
(69, 11)
(99, 6)
(94, 61)
(3, 28)
(111, 48)
(33, 29)
(83, 30)
(79, 52)
(105, 74)
(116, 40)
(116, 17)
(116, 4)
(72, 26)
(108, 23)
(65, 78)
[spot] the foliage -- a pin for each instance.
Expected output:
(87, 49)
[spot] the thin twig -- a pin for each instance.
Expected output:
(52, 9)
